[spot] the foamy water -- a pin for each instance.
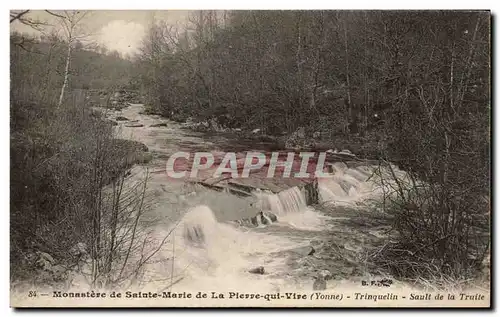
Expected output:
(217, 256)
(290, 207)
(205, 251)
(351, 186)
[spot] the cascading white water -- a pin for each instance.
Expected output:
(211, 255)
(217, 255)
(291, 200)
(346, 186)
(350, 185)
(290, 208)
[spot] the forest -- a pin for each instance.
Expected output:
(409, 87)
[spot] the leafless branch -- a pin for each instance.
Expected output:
(16, 16)
(56, 15)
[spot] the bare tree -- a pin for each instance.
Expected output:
(22, 17)
(71, 25)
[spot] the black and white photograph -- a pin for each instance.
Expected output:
(250, 158)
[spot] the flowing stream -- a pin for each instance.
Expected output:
(200, 240)
(206, 250)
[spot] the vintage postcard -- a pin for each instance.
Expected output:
(273, 158)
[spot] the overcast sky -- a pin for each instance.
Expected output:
(120, 30)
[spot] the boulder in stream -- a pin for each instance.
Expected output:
(307, 250)
(121, 118)
(157, 125)
(271, 216)
(312, 193)
(134, 125)
(261, 218)
(257, 270)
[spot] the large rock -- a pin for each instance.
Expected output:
(44, 261)
(305, 251)
(266, 218)
(261, 218)
(271, 216)
(121, 118)
(134, 125)
(45, 256)
(344, 154)
(257, 270)
(158, 125)
(312, 193)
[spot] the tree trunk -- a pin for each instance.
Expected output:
(317, 63)
(348, 81)
(66, 74)
(468, 66)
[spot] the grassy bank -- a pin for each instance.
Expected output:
(60, 161)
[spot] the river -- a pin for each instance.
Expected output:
(197, 244)
(222, 262)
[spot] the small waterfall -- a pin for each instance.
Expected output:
(291, 200)
(329, 189)
(291, 209)
(350, 185)
(347, 184)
